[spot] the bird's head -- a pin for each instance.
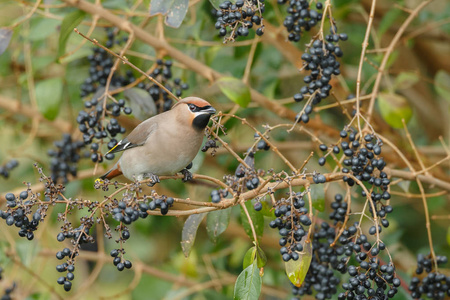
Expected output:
(195, 111)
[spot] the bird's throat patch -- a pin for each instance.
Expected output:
(201, 121)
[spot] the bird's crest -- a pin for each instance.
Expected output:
(194, 100)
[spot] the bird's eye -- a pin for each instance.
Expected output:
(192, 107)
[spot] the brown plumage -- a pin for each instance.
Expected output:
(164, 144)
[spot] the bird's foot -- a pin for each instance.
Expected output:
(187, 175)
(154, 178)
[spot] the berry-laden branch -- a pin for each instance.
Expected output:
(344, 228)
(125, 61)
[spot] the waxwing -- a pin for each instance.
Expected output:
(164, 144)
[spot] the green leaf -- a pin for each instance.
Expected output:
(249, 257)
(188, 266)
(267, 209)
(318, 197)
(25, 252)
(235, 90)
(49, 97)
(42, 62)
(405, 80)
(271, 87)
(174, 10)
(391, 59)
(5, 38)
(260, 257)
(441, 84)
(296, 269)
(216, 3)
(217, 222)
(69, 22)
(190, 231)
(257, 220)
(141, 103)
(81, 53)
(248, 284)
(43, 28)
(253, 253)
(394, 108)
(448, 235)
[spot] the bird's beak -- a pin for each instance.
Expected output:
(210, 110)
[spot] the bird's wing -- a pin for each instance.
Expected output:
(137, 137)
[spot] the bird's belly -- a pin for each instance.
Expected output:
(158, 159)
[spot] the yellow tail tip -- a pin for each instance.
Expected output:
(99, 181)
(112, 148)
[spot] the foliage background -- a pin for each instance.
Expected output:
(160, 269)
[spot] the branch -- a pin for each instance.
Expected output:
(39, 187)
(408, 175)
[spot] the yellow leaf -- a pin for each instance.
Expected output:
(296, 269)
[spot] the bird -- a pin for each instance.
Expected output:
(164, 144)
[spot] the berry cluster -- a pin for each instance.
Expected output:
(100, 67)
(19, 213)
(291, 215)
(129, 214)
(243, 178)
(7, 167)
(320, 58)
(128, 211)
(118, 260)
(349, 252)
(218, 195)
(339, 209)
(235, 20)
(91, 124)
(64, 159)
(363, 161)
(70, 268)
(163, 74)
(78, 237)
(434, 285)
(162, 202)
(320, 276)
(370, 280)
(301, 17)
(247, 177)
(319, 178)
(79, 234)
(210, 143)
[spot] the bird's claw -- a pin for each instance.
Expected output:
(187, 175)
(154, 178)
